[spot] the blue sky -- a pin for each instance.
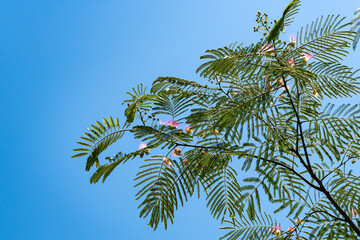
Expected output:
(65, 64)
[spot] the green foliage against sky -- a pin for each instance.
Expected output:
(356, 26)
(263, 107)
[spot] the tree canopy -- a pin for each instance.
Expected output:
(264, 106)
(356, 26)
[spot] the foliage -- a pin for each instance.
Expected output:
(356, 26)
(264, 108)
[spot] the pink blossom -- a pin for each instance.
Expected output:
(172, 123)
(166, 161)
(306, 56)
(299, 221)
(177, 152)
(266, 48)
(161, 122)
(276, 230)
(291, 62)
(292, 38)
(142, 145)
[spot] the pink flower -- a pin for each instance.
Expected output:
(291, 62)
(144, 149)
(292, 38)
(188, 129)
(161, 122)
(177, 152)
(299, 221)
(266, 48)
(306, 57)
(142, 145)
(291, 229)
(276, 230)
(166, 161)
(172, 123)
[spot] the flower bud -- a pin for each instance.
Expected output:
(291, 229)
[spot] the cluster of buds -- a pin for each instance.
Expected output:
(262, 20)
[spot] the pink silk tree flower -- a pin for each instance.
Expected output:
(142, 146)
(172, 123)
(306, 56)
(292, 38)
(166, 161)
(276, 230)
(299, 221)
(177, 152)
(291, 62)
(266, 48)
(161, 122)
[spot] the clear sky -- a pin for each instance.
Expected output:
(65, 64)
